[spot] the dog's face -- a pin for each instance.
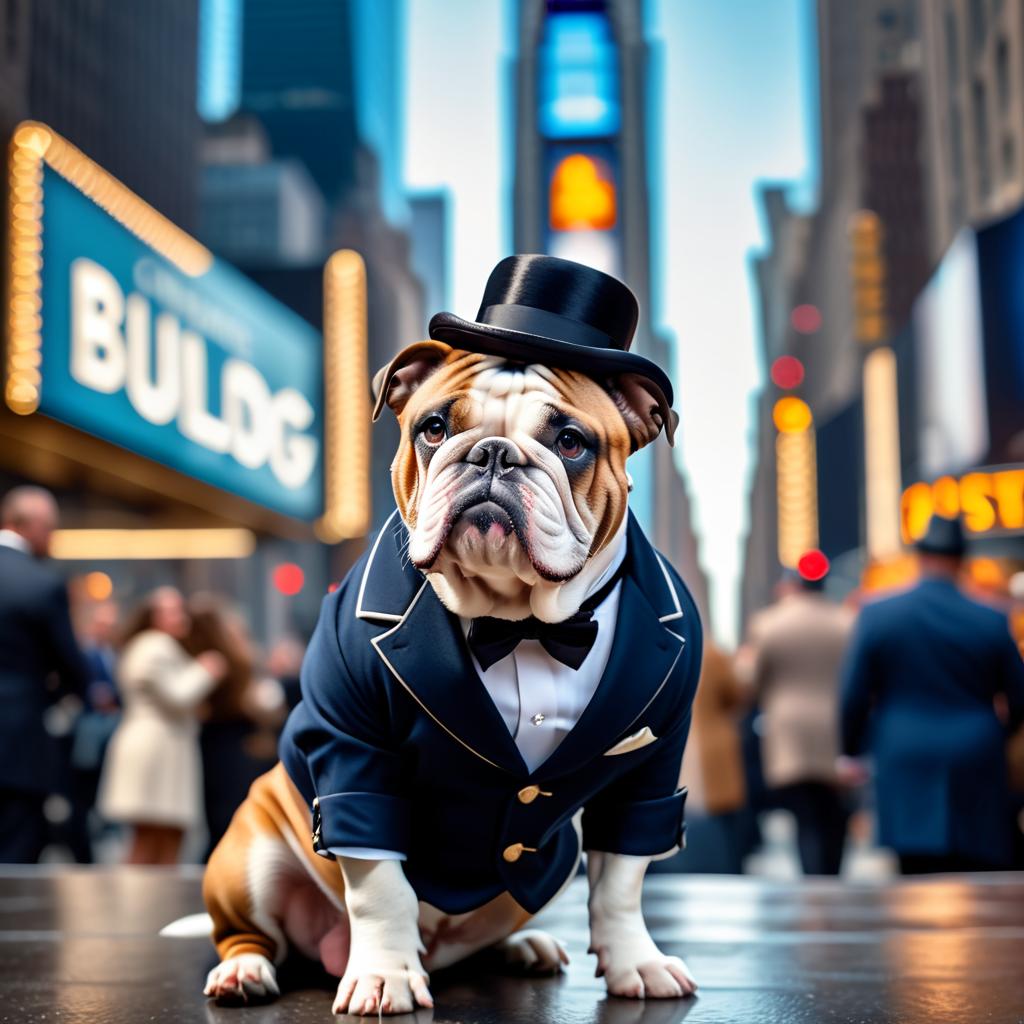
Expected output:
(510, 478)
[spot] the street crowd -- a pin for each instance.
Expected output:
(133, 730)
(124, 731)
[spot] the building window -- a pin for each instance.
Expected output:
(11, 27)
(1009, 158)
(981, 138)
(952, 48)
(956, 143)
(1003, 73)
(979, 26)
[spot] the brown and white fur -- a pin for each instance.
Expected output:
(506, 519)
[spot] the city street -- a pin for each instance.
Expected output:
(82, 946)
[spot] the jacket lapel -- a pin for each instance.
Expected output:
(425, 652)
(626, 688)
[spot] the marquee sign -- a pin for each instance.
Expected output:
(121, 325)
(990, 501)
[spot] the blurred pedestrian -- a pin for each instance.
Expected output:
(96, 723)
(152, 774)
(39, 663)
(924, 672)
(231, 714)
(713, 770)
(797, 646)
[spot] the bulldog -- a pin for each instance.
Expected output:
(422, 810)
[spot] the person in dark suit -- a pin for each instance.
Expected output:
(920, 685)
(36, 643)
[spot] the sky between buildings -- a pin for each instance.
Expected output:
(736, 107)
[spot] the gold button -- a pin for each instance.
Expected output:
(530, 793)
(513, 853)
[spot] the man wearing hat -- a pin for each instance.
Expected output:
(920, 685)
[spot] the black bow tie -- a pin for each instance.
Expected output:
(569, 641)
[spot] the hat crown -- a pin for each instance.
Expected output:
(565, 289)
(944, 536)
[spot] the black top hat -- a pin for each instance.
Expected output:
(943, 537)
(542, 309)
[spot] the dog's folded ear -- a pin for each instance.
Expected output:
(396, 382)
(644, 407)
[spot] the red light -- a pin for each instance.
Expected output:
(787, 372)
(806, 319)
(289, 578)
(332, 587)
(813, 566)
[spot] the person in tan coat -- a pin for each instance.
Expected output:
(797, 646)
(712, 770)
(152, 775)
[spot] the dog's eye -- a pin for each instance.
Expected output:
(434, 430)
(570, 444)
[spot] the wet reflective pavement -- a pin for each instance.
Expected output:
(80, 946)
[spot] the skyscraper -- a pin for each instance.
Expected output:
(582, 191)
(119, 81)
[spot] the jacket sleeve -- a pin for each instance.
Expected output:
(642, 813)
(65, 655)
(177, 681)
(857, 687)
(337, 745)
(1011, 679)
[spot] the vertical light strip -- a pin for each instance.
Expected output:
(797, 494)
(24, 269)
(882, 454)
(346, 399)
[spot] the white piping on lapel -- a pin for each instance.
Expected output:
(408, 689)
(360, 613)
(678, 613)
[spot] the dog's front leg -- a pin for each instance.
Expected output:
(384, 973)
(632, 965)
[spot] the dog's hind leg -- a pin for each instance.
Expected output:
(244, 888)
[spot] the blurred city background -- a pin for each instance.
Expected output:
(224, 215)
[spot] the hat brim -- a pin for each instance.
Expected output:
(521, 347)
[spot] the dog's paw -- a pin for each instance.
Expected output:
(533, 951)
(661, 977)
(242, 978)
(365, 992)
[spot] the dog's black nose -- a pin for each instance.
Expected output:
(495, 454)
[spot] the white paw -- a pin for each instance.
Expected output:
(398, 989)
(241, 978)
(534, 951)
(661, 977)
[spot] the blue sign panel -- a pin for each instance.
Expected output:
(208, 374)
(1001, 273)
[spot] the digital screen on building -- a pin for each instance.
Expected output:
(1001, 264)
(578, 77)
(952, 425)
(202, 372)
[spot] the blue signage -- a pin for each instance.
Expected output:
(1001, 273)
(206, 374)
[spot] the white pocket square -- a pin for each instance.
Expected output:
(634, 742)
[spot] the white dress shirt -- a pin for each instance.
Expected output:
(10, 539)
(539, 698)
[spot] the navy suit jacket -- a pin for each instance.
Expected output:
(401, 747)
(36, 641)
(918, 686)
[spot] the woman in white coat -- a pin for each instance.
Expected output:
(152, 776)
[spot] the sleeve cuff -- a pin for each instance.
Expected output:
(370, 821)
(644, 828)
(365, 853)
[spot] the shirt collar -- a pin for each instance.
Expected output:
(10, 539)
